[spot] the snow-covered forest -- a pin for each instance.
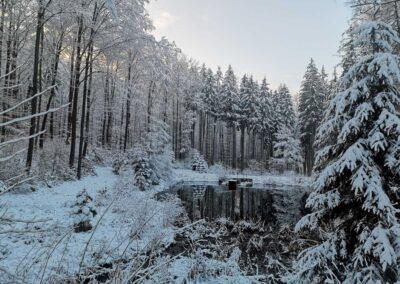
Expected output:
(122, 160)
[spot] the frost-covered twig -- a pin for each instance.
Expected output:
(19, 139)
(51, 253)
(11, 220)
(26, 100)
(24, 118)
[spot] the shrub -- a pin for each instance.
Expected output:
(83, 212)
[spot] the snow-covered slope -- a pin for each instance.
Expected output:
(40, 241)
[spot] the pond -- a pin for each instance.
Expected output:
(271, 204)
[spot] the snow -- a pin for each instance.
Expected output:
(41, 243)
(131, 213)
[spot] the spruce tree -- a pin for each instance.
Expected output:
(311, 109)
(287, 151)
(265, 125)
(284, 110)
(243, 114)
(229, 102)
(356, 192)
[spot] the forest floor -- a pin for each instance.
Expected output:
(39, 244)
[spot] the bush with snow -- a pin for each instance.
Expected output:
(144, 175)
(146, 168)
(83, 212)
(198, 163)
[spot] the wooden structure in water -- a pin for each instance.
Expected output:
(235, 183)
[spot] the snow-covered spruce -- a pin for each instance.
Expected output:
(287, 153)
(199, 164)
(83, 212)
(144, 175)
(356, 202)
(311, 110)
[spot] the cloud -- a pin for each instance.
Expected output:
(163, 20)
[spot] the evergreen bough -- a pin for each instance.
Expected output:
(83, 212)
(356, 199)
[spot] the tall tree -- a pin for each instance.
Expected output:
(229, 101)
(311, 107)
(355, 202)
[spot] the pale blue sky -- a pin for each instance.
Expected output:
(273, 38)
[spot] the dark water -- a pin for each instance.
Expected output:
(271, 204)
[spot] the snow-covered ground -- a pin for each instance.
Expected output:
(39, 241)
(42, 241)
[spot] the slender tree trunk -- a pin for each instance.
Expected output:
(34, 89)
(149, 105)
(214, 141)
(201, 132)
(106, 98)
(234, 158)
(110, 116)
(177, 129)
(74, 117)
(83, 117)
(7, 76)
(52, 92)
(88, 102)
(40, 86)
(242, 134)
(71, 93)
(128, 108)
(193, 135)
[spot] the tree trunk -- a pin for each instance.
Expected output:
(74, 117)
(40, 86)
(128, 108)
(71, 93)
(52, 92)
(214, 141)
(88, 102)
(234, 158)
(83, 117)
(34, 89)
(242, 134)
(149, 105)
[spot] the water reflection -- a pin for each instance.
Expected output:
(272, 205)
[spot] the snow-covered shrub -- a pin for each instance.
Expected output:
(199, 164)
(144, 175)
(52, 164)
(146, 168)
(120, 161)
(83, 212)
(102, 197)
